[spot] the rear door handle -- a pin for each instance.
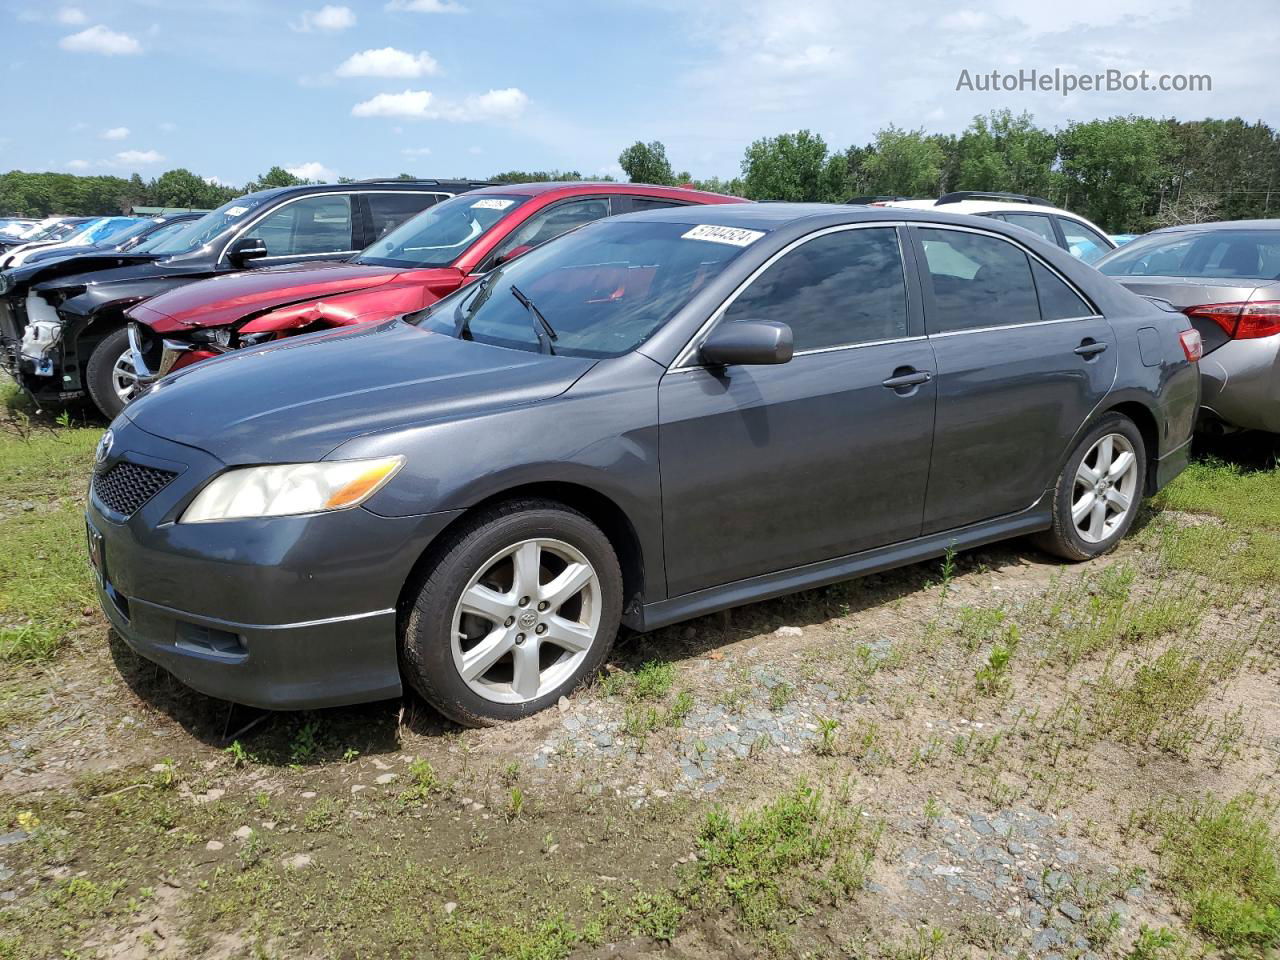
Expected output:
(908, 378)
(1089, 348)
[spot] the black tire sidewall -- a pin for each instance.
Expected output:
(1064, 538)
(426, 654)
(97, 372)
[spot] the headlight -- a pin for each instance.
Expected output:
(291, 488)
(5, 283)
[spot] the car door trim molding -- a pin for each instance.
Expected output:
(683, 358)
(1013, 326)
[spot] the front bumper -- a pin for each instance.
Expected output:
(281, 613)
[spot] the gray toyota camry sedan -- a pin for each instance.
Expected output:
(651, 418)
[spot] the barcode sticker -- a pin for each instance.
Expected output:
(734, 236)
(492, 203)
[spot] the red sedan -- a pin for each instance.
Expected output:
(411, 267)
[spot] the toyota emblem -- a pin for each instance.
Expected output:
(103, 450)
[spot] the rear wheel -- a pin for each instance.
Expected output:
(522, 605)
(109, 375)
(1098, 493)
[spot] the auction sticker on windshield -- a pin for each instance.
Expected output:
(734, 236)
(492, 203)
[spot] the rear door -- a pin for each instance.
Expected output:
(1023, 360)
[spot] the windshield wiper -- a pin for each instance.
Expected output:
(461, 320)
(541, 329)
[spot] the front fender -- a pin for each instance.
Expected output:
(338, 311)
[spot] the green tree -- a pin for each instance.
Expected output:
(182, 188)
(1114, 170)
(904, 163)
(1001, 151)
(647, 163)
(277, 176)
(537, 176)
(793, 167)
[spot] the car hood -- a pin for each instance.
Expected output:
(81, 269)
(218, 301)
(298, 399)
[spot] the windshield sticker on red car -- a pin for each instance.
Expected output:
(492, 203)
(734, 236)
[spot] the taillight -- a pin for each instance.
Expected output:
(1241, 321)
(1192, 344)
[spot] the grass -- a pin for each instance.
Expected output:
(1220, 857)
(1241, 497)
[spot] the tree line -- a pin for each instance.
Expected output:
(1128, 174)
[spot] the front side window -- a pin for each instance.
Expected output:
(441, 234)
(199, 233)
(550, 223)
(837, 289)
(317, 224)
(1083, 243)
(603, 290)
(978, 281)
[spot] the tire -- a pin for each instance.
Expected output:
(103, 373)
(1082, 529)
(495, 637)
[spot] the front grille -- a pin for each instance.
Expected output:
(127, 486)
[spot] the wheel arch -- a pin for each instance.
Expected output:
(600, 509)
(1145, 420)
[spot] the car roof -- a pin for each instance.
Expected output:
(980, 206)
(365, 186)
(1273, 224)
(774, 216)
(571, 188)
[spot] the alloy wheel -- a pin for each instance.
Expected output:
(526, 620)
(1106, 486)
(124, 377)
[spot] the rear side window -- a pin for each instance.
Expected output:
(1037, 223)
(978, 281)
(388, 210)
(1057, 300)
(652, 203)
(319, 224)
(1083, 243)
(835, 290)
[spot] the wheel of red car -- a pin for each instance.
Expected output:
(522, 605)
(109, 375)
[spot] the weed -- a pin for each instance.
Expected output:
(325, 814)
(515, 803)
(979, 626)
(305, 744)
(827, 728)
(780, 696)
(423, 782)
(948, 570)
(653, 680)
(240, 757)
(993, 676)
(1161, 944)
(656, 915)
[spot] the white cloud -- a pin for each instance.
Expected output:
(416, 151)
(72, 16)
(495, 105)
(328, 17)
(389, 62)
(77, 164)
(139, 158)
(964, 20)
(505, 104)
(115, 133)
(411, 103)
(99, 39)
(313, 171)
(427, 6)
(168, 127)
(215, 181)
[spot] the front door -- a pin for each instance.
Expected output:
(770, 467)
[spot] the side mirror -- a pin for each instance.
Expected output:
(511, 254)
(246, 249)
(748, 341)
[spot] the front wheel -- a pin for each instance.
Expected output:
(1098, 492)
(522, 605)
(110, 376)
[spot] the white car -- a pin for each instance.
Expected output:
(1082, 239)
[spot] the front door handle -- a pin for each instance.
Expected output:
(1090, 348)
(905, 377)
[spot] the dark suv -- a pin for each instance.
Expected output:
(62, 325)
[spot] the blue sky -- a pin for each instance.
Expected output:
(443, 88)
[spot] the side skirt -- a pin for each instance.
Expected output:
(651, 616)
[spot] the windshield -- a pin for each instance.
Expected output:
(1217, 254)
(603, 289)
(197, 233)
(131, 228)
(56, 231)
(162, 234)
(440, 234)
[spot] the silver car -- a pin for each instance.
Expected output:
(1226, 278)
